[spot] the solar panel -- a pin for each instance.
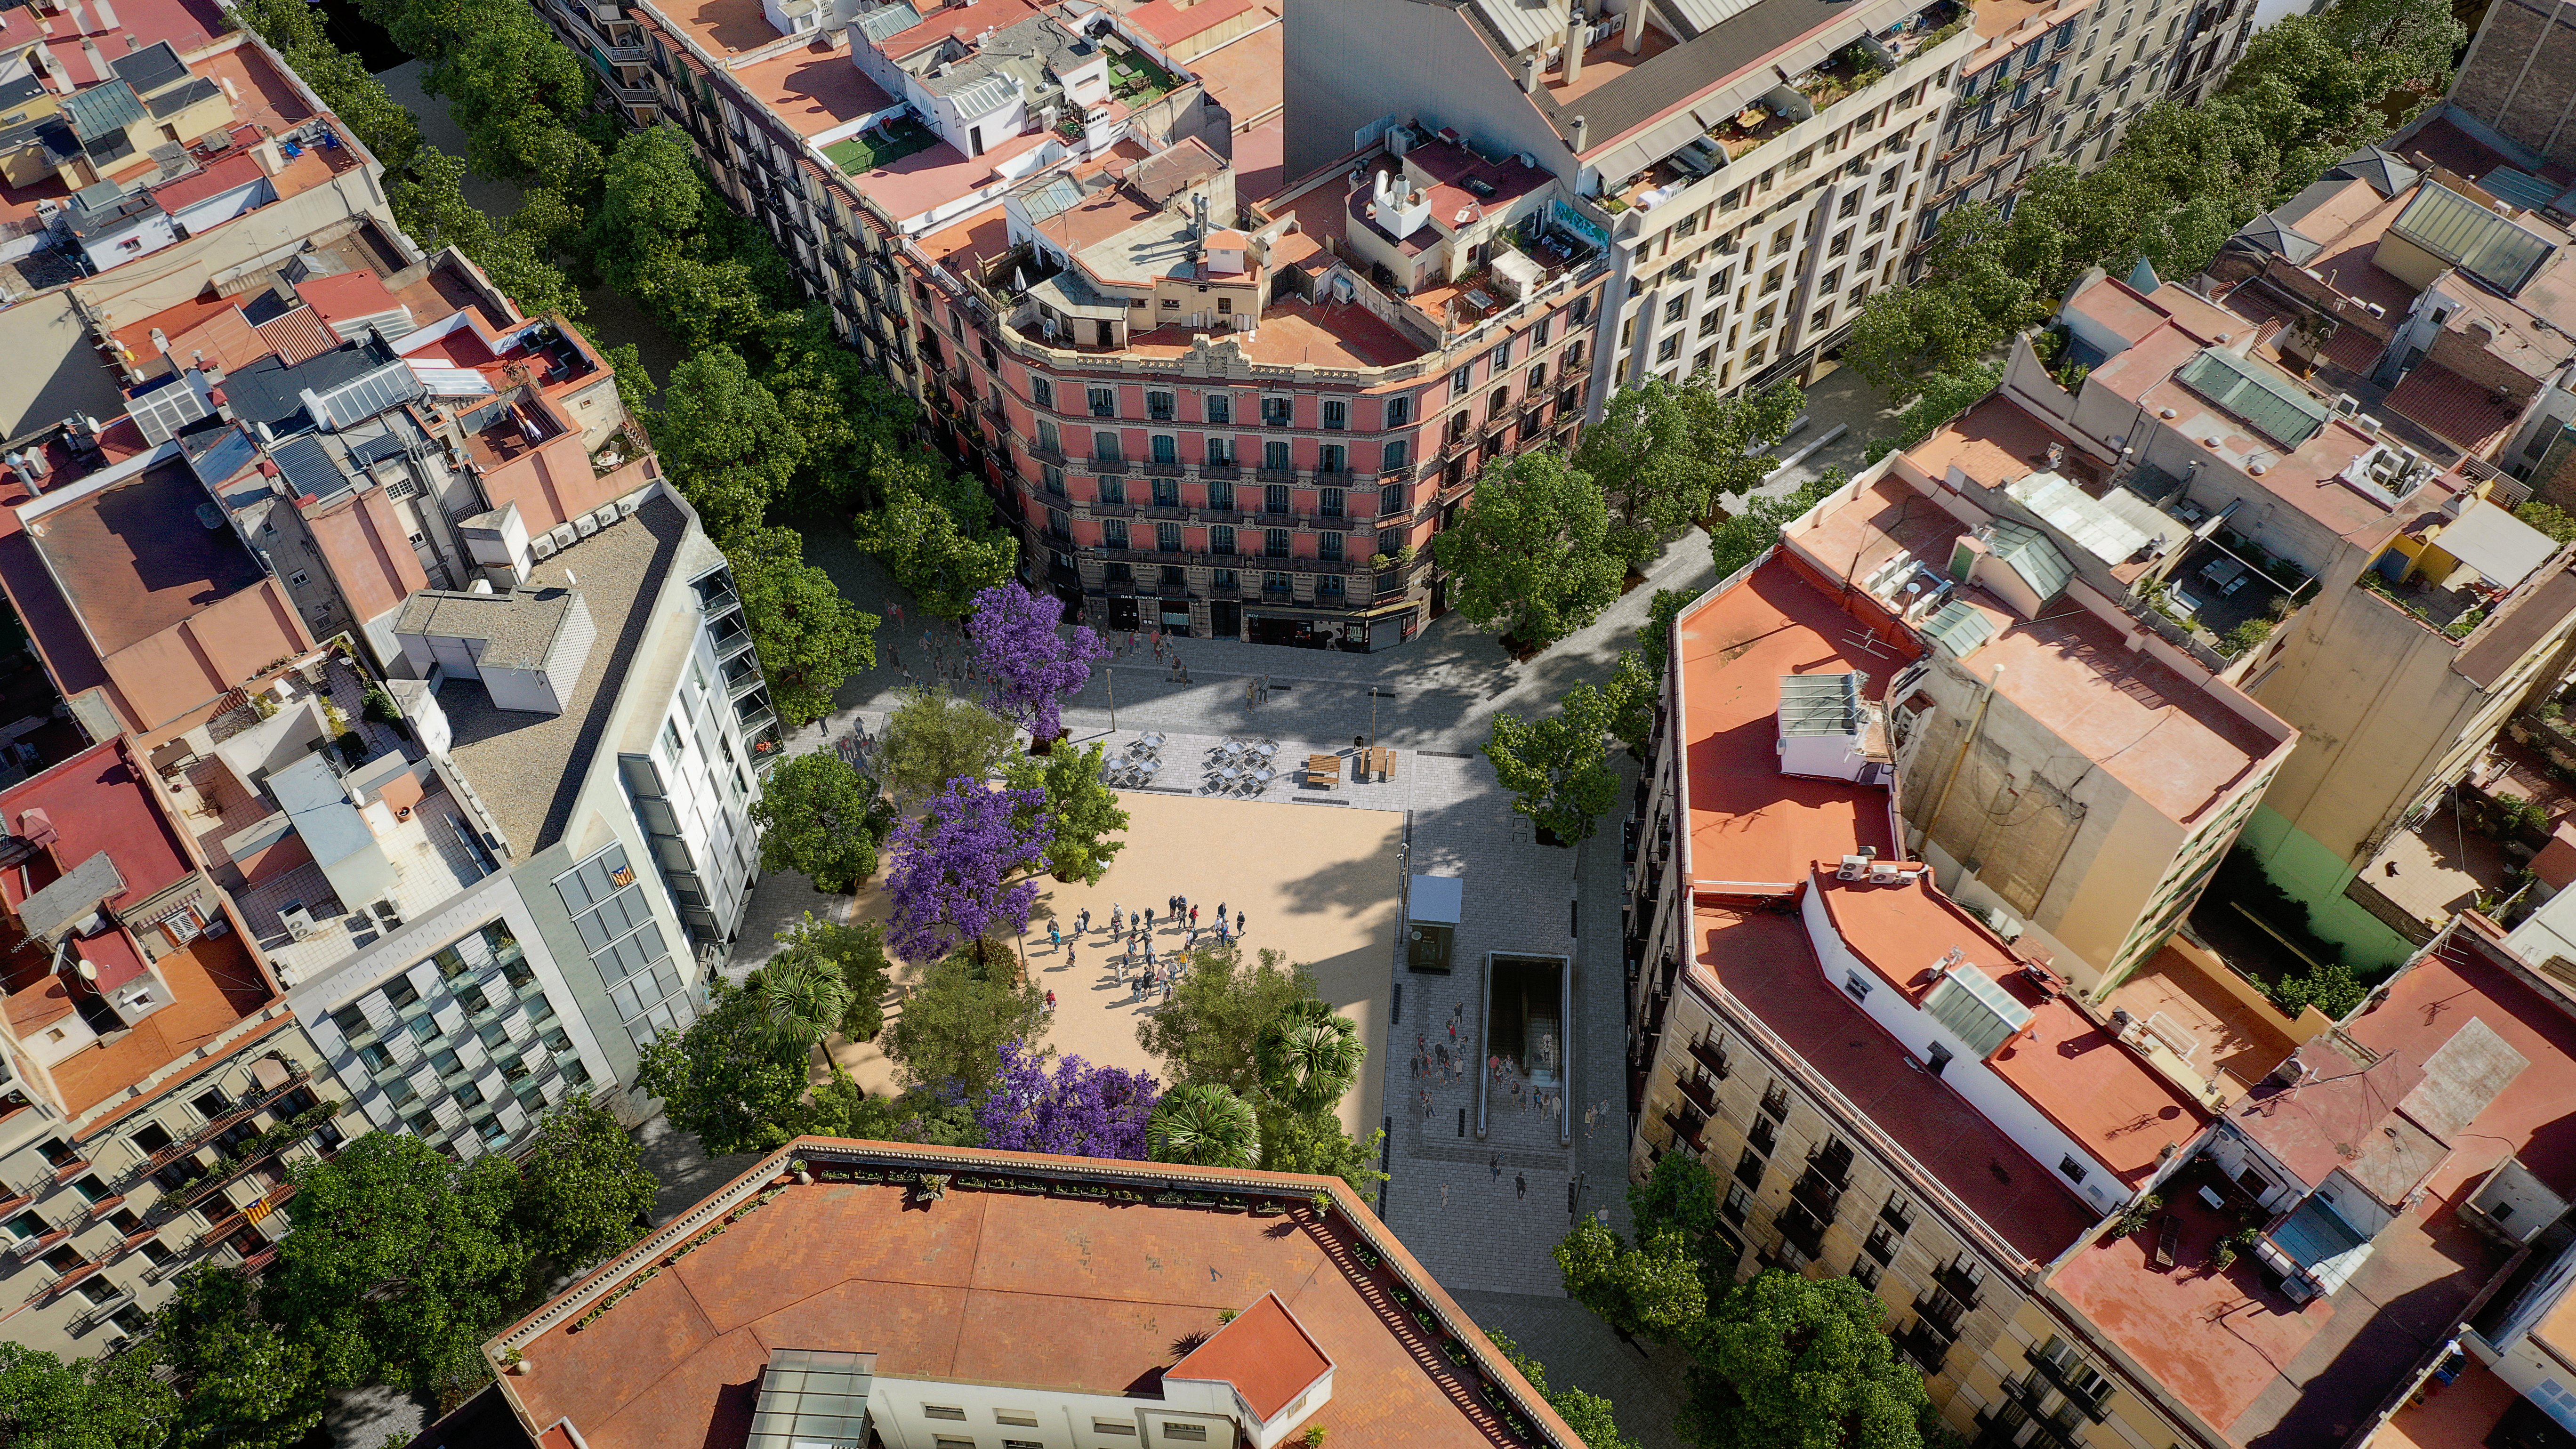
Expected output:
(162, 413)
(365, 395)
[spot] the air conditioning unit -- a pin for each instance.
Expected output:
(1885, 873)
(1949, 961)
(585, 525)
(542, 546)
(299, 922)
(26, 1248)
(1853, 867)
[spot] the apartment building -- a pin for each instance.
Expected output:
(1249, 1315)
(158, 1090)
(1755, 171)
(456, 697)
(2312, 554)
(146, 147)
(2051, 772)
(1886, 1088)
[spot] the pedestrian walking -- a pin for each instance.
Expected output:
(1220, 910)
(1117, 922)
(1082, 923)
(1247, 693)
(1194, 918)
(896, 609)
(1238, 923)
(1496, 1166)
(1158, 643)
(1520, 1184)
(1068, 958)
(1149, 918)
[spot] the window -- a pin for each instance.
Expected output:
(1274, 497)
(1330, 546)
(1337, 413)
(1112, 1426)
(1113, 490)
(1676, 308)
(1185, 1433)
(1393, 456)
(1330, 585)
(1274, 412)
(1669, 348)
(1041, 392)
(1739, 1203)
(1113, 533)
(1052, 477)
(1457, 428)
(299, 578)
(943, 1411)
(1221, 539)
(1333, 503)
(1050, 438)
(1390, 542)
(950, 1441)
(1854, 986)
(1274, 456)
(1167, 451)
(1221, 496)
(1399, 411)
(1460, 381)
(1220, 454)
(1219, 407)
(1225, 581)
(1274, 543)
(1167, 537)
(1865, 1273)
(1158, 406)
(1104, 402)
(1275, 583)
(1390, 499)
(1333, 458)
(1937, 1058)
(2074, 1170)
(1016, 1418)
(1104, 446)
(1167, 493)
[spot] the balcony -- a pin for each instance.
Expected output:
(2058, 1429)
(2087, 1392)
(1686, 1128)
(1817, 1195)
(1925, 1345)
(1941, 1310)
(1699, 1092)
(1958, 1284)
(1802, 1230)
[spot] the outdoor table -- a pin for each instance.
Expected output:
(1326, 769)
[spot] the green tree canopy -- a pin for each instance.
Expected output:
(949, 1033)
(811, 637)
(401, 1262)
(1312, 1141)
(939, 561)
(724, 441)
(1084, 809)
(1205, 1125)
(1530, 556)
(934, 737)
(1559, 768)
(1209, 1033)
(583, 1188)
(1789, 1362)
(726, 1079)
(111, 1403)
(247, 1381)
(857, 953)
(1653, 1288)
(801, 998)
(1309, 1055)
(817, 817)
(1654, 482)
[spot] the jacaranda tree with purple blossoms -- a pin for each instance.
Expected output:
(952, 880)
(1032, 661)
(1078, 1110)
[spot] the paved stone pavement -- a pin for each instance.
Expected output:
(1644, 1385)
(1839, 397)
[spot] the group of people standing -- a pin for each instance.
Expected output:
(1130, 937)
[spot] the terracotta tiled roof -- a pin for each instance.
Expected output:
(297, 336)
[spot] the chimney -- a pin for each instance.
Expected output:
(97, 62)
(270, 159)
(80, 20)
(1529, 72)
(1576, 30)
(1636, 36)
(106, 14)
(1581, 126)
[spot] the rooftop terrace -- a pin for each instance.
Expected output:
(2263, 1370)
(528, 768)
(1026, 1272)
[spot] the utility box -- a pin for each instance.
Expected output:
(1431, 910)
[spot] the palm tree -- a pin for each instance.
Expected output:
(799, 998)
(1310, 1054)
(1205, 1126)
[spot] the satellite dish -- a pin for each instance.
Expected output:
(88, 970)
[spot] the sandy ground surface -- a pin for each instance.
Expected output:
(1319, 884)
